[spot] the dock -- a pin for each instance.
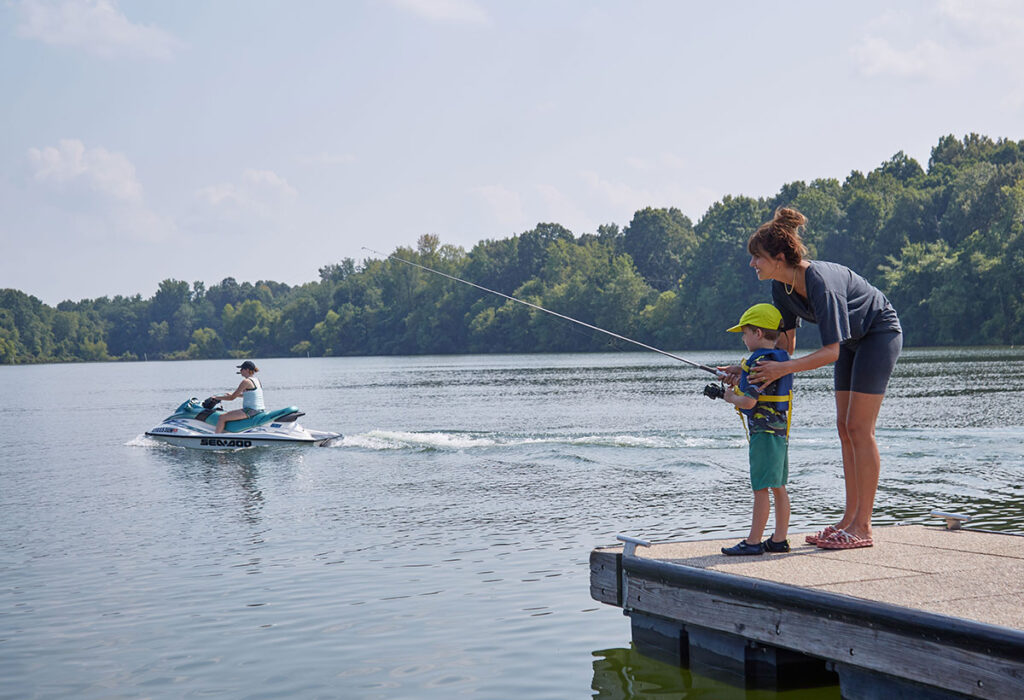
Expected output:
(928, 612)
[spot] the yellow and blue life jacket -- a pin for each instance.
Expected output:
(773, 411)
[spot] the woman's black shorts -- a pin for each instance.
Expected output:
(865, 364)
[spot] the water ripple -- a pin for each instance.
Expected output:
(441, 549)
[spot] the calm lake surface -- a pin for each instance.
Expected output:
(441, 549)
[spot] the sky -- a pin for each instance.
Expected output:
(262, 139)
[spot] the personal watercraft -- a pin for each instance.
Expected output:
(194, 423)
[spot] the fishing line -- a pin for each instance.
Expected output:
(548, 311)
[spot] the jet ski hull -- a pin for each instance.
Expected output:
(194, 428)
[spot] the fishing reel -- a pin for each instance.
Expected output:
(714, 391)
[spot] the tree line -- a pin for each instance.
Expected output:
(945, 244)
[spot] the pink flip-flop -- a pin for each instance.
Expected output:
(841, 539)
(821, 534)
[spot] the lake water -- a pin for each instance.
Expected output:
(441, 549)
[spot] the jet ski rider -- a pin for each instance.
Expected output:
(251, 392)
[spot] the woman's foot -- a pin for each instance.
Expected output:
(823, 534)
(841, 539)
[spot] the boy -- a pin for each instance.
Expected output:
(767, 412)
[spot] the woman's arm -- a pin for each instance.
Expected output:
(767, 371)
(242, 386)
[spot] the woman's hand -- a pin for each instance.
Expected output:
(730, 374)
(767, 371)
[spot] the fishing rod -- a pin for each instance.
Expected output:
(548, 311)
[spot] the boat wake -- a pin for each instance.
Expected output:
(459, 441)
(143, 440)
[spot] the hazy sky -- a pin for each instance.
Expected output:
(263, 139)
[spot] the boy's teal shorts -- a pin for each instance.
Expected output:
(769, 461)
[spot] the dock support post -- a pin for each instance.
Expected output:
(775, 668)
(659, 638)
(861, 684)
(726, 657)
(718, 655)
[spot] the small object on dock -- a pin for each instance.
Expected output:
(954, 521)
(630, 544)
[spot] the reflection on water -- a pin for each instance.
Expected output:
(626, 674)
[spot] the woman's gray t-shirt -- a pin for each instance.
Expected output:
(843, 304)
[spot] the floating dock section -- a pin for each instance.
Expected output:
(927, 613)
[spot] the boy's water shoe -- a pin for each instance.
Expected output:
(744, 548)
(771, 545)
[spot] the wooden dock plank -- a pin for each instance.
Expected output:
(605, 575)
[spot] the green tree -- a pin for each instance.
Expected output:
(92, 350)
(205, 345)
(248, 328)
(589, 283)
(660, 241)
(911, 280)
(9, 341)
(295, 323)
(719, 282)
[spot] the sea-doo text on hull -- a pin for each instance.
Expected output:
(193, 425)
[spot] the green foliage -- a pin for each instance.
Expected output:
(659, 241)
(946, 244)
(205, 345)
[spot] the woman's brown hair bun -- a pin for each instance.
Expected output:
(780, 235)
(789, 218)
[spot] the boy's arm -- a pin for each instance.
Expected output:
(739, 400)
(730, 374)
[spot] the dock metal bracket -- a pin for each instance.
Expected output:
(954, 521)
(629, 545)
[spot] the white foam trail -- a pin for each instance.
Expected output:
(143, 440)
(648, 441)
(403, 440)
(400, 440)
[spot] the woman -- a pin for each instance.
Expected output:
(251, 392)
(860, 333)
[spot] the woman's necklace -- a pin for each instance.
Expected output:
(790, 287)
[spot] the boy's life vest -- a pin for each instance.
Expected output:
(773, 410)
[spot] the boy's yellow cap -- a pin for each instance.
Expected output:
(760, 315)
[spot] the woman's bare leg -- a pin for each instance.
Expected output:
(842, 413)
(856, 415)
(237, 414)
